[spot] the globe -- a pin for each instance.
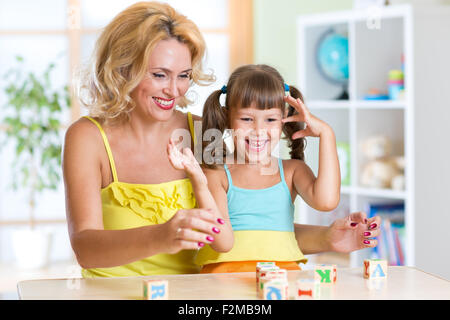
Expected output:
(332, 59)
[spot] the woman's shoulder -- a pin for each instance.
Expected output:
(83, 132)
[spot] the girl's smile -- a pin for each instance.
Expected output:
(257, 132)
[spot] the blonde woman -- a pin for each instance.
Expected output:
(129, 211)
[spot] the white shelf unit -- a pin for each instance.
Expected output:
(418, 122)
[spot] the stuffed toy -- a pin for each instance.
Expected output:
(382, 170)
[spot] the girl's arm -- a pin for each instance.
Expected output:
(95, 247)
(208, 190)
(323, 192)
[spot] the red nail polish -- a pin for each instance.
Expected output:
(365, 221)
(373, 226)
(215, 230)
(366, 242)
(366, 233)
(209, 238)
(220, 221)
(353, 224)
(201, 244)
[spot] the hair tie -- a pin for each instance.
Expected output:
(224, 89)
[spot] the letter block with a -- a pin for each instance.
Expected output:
(375, 268)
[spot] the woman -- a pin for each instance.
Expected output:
(129, 212)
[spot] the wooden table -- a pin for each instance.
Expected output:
(402, 283)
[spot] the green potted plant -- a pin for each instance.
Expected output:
(32, 123)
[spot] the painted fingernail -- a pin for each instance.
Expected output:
(209, 238)
(220, 221)
(201, 244)
(366, 242)
(367, 234)
(365, 221)
(373, 226)
(353, 224)
(215, 230)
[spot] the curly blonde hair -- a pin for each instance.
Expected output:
(122, 53)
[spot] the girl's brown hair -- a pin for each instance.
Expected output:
(259, 85)
(122, 53)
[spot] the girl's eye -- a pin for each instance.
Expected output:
(246, 119)
(272, 119)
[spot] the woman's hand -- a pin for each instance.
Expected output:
(314, 126)
(185, 160)
(190, 229)
(353, 232)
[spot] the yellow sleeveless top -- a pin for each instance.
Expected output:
(129, 205)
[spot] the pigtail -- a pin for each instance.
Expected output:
(297, 146)
(214, 122)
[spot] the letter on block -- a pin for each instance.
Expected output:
(305, 289)
(275, 289)
(269, 274)
(375, 268)
(260, 266)
(325, 273)
(156, 289)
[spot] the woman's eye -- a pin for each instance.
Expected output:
(159, 75)
(185, 76)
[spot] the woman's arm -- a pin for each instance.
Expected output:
(348, 234)
(209, 194)
(95, 247)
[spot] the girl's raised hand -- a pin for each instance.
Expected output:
(314, 126)
(185, 160)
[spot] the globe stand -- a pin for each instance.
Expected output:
(344, 95)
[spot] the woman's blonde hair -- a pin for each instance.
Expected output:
(122, 53)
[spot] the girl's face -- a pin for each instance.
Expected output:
(256, 131)
(166, 81)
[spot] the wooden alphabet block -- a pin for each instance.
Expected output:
(270, 274)
(264, 266)
(275, 289)
(325, 273)
(305, 289)
(375, 268)
(156, 289)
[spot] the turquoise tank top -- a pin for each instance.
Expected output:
(262, 209)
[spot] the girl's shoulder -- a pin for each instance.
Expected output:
(291, 165)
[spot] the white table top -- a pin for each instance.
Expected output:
(401, 283)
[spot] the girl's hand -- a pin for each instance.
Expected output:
(190, 229)
(186, 161)
(314, 126)
(353, 232)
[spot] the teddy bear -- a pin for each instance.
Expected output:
(381, 169)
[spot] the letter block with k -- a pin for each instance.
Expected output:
(325, 273)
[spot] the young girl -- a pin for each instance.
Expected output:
(254, 191)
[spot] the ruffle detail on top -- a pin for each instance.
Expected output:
(156, 203)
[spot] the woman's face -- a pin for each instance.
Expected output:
(166, 82)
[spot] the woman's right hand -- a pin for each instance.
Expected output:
(190, 229)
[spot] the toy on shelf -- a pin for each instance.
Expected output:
(376, 94)
(343, 150)
(396, 85)
(381, 169)
(375, 268)
(156, 289)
